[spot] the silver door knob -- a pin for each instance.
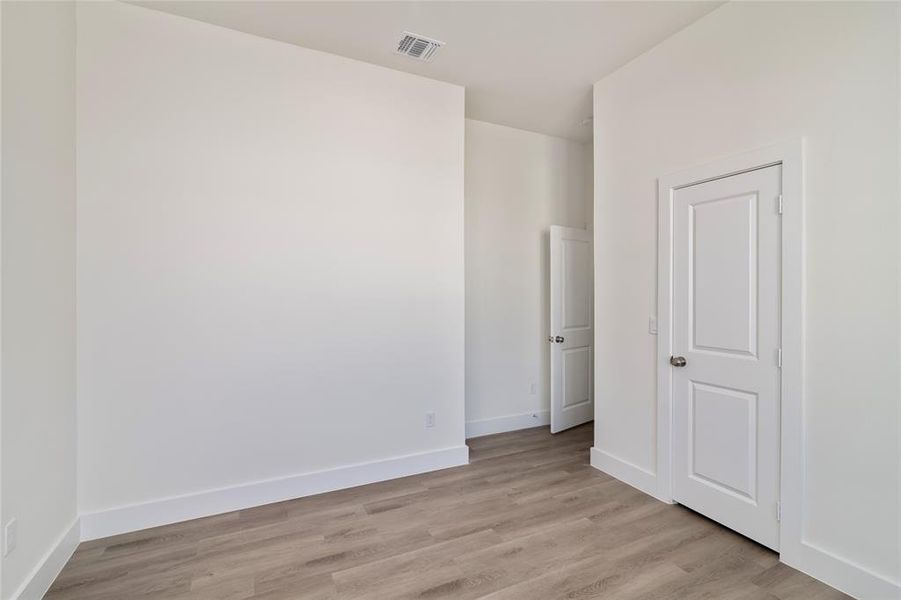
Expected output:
(559, 339)
(677, 361)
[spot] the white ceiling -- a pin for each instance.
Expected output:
(529, 65)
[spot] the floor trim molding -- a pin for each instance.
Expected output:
(841, 573)
(507, 423)
(165, 511)
(631, 474)
(48, 569)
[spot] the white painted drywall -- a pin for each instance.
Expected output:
(518, 184)
(270, 259)
(745, 76)
(38, 282)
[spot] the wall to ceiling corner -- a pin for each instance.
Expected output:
(270, 262)
(37, 320)
(518, 184)
(745, 76)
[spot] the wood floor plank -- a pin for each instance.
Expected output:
(421, 572)
(527, 519)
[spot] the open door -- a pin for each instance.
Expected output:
(571, 334)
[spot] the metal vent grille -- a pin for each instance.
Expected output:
(417, 46)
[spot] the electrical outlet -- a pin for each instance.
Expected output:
(533, 389)
(652, 325)
(10, 533)
(430, 419)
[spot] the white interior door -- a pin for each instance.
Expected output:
(726, 332)
(572, 290)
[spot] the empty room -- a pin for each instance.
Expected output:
(515, 300)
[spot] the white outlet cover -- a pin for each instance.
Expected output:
(430, 419)
(652, 325)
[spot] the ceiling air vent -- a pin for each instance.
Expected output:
(417, 46)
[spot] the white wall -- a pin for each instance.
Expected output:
(518, 184)
(270, 263)
(38, 288)
(745, 76)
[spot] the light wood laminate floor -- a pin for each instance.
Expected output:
(527, 519)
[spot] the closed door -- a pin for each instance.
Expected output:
(572, 387)
(726, 355)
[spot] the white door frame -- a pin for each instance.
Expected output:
(790, 155)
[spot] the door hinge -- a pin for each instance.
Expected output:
(778, 512)
(779, 204)
(779, 358)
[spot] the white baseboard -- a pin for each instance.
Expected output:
(507, 423)
(631, 474)
(819, 563)
(203, 504)
(841, 573)
(44, 574)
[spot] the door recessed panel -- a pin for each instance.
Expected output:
(576, 376)
(723, 274)
(576, 285)
(723, 438)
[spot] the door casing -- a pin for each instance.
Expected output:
(790, 155)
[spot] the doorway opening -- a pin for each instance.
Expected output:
(729, 342)
(571, 327)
